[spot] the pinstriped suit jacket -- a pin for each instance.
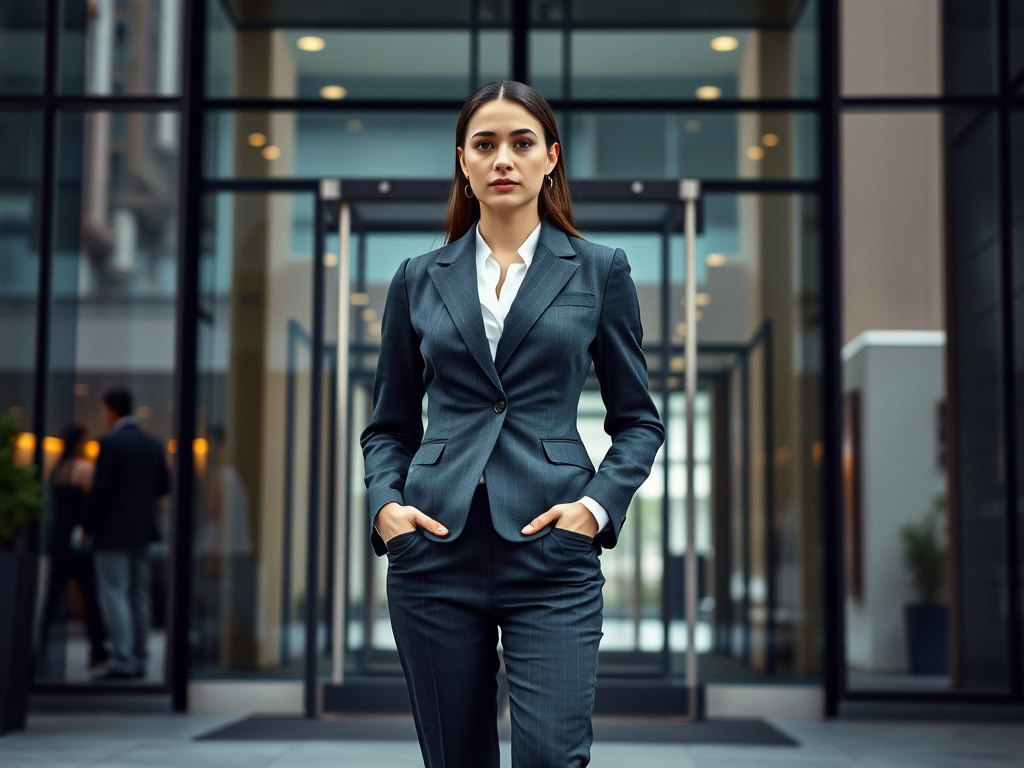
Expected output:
(514, 417)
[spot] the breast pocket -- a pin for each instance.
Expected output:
(574, 299)
(429, 453)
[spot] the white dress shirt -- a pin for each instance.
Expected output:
(495, 309)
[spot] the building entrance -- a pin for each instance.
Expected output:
(286, 585)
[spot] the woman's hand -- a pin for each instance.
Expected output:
(393, 519)
(572, 517)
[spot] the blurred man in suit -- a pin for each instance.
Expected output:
(120, 523)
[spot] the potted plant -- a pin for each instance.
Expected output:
(20, 504)
(927, 620)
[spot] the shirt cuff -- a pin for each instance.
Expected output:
(600, 513)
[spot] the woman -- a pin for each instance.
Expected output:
(494, 519)
(70, 481)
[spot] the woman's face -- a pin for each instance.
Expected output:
(504, 158)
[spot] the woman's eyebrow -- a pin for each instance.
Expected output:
(519, 132)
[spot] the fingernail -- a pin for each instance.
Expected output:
(528, 529)
(441, 529)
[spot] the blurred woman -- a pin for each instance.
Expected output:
(70, 481)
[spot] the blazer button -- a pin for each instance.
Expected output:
(500, 404)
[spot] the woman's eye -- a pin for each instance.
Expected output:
(484, 145)
(523, 144)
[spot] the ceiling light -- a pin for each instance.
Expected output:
(755, 153)
(360, 299)
(725, 43)
(330, 259)
(257, 139)
(770, 140)
(709, 92)
(333, 92)
(310, 43)
(715, 260)
(271, 152)
(703, 299)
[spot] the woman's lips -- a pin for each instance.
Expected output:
(503, 185)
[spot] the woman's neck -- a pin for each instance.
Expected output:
(505, 231)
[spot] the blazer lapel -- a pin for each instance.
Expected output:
(552, 266)
(454, 276)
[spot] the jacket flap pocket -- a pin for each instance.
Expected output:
(429, 453)
(575, 300)
(567, 452)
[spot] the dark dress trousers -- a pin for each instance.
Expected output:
(512, 418)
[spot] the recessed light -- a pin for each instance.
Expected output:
(709, 92)
(770, 140)
(257, 139)
(725, 43)
(330, 259)
(310, 43)
(715, 260)
(334, 92)
(755, 153)
(271, 152)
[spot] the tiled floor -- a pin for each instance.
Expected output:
(156, 741)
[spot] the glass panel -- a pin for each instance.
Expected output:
(20, 134)
(978, 501)
(112, 326)
(1016, 42)
(495, 56)
(717, 145)
(109, 48)
(334, 64)
(318, 144)
(22, 42)
(918, 47)
(253, 415)
(758, 438)
(1017, 150)
(924, 500)
(545, 67)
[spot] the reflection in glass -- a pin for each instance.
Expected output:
(112, 320)
(107, 48)
(252, 436)
(693, 144)
(19, 261)
(316, 144)
(22, 36)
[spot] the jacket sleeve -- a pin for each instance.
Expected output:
(396, 426)
(98, 499)
(632, 420)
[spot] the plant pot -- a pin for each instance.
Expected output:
(927, 638)
(18, 576)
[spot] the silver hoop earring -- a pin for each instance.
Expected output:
(468, 191)
(551, 182)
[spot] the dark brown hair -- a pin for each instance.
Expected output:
(554, 202)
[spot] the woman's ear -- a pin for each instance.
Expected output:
(462, 165)
(554, 151)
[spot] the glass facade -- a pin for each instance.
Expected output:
(218, 298)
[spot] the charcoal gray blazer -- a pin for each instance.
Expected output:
(513, 418)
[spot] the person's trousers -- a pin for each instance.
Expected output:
(66, 566)
(447, 603)
(122, 578)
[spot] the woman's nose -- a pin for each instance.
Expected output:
(503, 161)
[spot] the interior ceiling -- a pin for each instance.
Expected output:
(455, 13)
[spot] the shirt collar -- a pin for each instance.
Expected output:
(125, 421)
(526, 250)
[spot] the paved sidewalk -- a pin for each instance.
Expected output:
(158, 741)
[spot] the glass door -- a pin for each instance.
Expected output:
(264, 391)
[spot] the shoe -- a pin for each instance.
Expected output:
(118, 674)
